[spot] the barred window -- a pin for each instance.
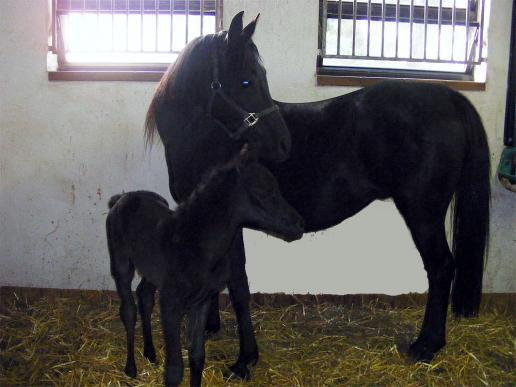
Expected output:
(443, 39)
(127, 34)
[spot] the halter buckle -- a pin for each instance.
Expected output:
(251, 120)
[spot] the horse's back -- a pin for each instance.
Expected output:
(413, 136)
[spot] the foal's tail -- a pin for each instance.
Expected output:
(471, 215)
(113, 200)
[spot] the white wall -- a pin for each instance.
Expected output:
(65, 147)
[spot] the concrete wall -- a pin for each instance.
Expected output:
(65, 147)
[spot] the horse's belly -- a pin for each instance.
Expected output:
(330, 201)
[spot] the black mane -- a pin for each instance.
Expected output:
(210, 193)
(182, 81)
(186, 82)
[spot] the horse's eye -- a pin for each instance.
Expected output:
(245, 83)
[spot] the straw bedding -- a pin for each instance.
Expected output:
(81, 342)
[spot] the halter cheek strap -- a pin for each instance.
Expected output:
(248, 119)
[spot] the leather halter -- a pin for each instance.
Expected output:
(248, 119)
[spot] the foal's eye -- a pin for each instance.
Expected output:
(245, 83)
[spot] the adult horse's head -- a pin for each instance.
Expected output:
(219, 83)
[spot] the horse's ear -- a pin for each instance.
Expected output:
(248, 31)
(235, 29)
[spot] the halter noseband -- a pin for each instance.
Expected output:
(248, 119)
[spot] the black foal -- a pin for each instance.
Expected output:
(183, 253)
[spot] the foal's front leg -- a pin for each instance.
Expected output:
(196, 325)
(171, 314)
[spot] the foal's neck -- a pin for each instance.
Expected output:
(206, 222)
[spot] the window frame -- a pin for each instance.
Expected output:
(151, 72)
(362, 76)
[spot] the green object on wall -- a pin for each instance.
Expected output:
(507, 166)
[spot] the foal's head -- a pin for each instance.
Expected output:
(258, 203)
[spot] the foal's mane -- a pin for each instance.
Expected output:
(210, 193)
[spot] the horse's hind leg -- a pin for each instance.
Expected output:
(429, 236)
(145, 293)
(123, 277)
(240, 297)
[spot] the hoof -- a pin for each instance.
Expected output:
(130, 371)
(238, 371)
(150, 355)
(422, 352)
(211, 331)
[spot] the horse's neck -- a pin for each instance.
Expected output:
(307, 120)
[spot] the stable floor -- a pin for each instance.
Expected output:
(70, 341)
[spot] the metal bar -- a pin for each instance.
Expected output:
(201, 12)
(428, 60)
(467, 31)
(354, 26)
(383, 27)
(397, 26)
(324, 27)
(426, 25)
(339, 20)
(187, 12)
(112, 25)
(439, 10)
(390, 12)
(411, 25)
(481, 43)
(141, 25)
(156, 13)
(218, 15)
(453, 30)
(368, 25)
(172, 6)
(127, 26)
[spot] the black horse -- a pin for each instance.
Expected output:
(420, 144)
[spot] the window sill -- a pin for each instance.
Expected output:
(106, 75)
(347, 80)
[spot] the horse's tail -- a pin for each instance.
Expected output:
(157, 100)
(471, 215)
(150, 121)
(113, 200)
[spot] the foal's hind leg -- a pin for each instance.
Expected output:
(213, 322)
(145, 293)
(127, 314)
(429, 236)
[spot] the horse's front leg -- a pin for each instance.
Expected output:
(240, 297)
(196, 325)
(171, 313)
